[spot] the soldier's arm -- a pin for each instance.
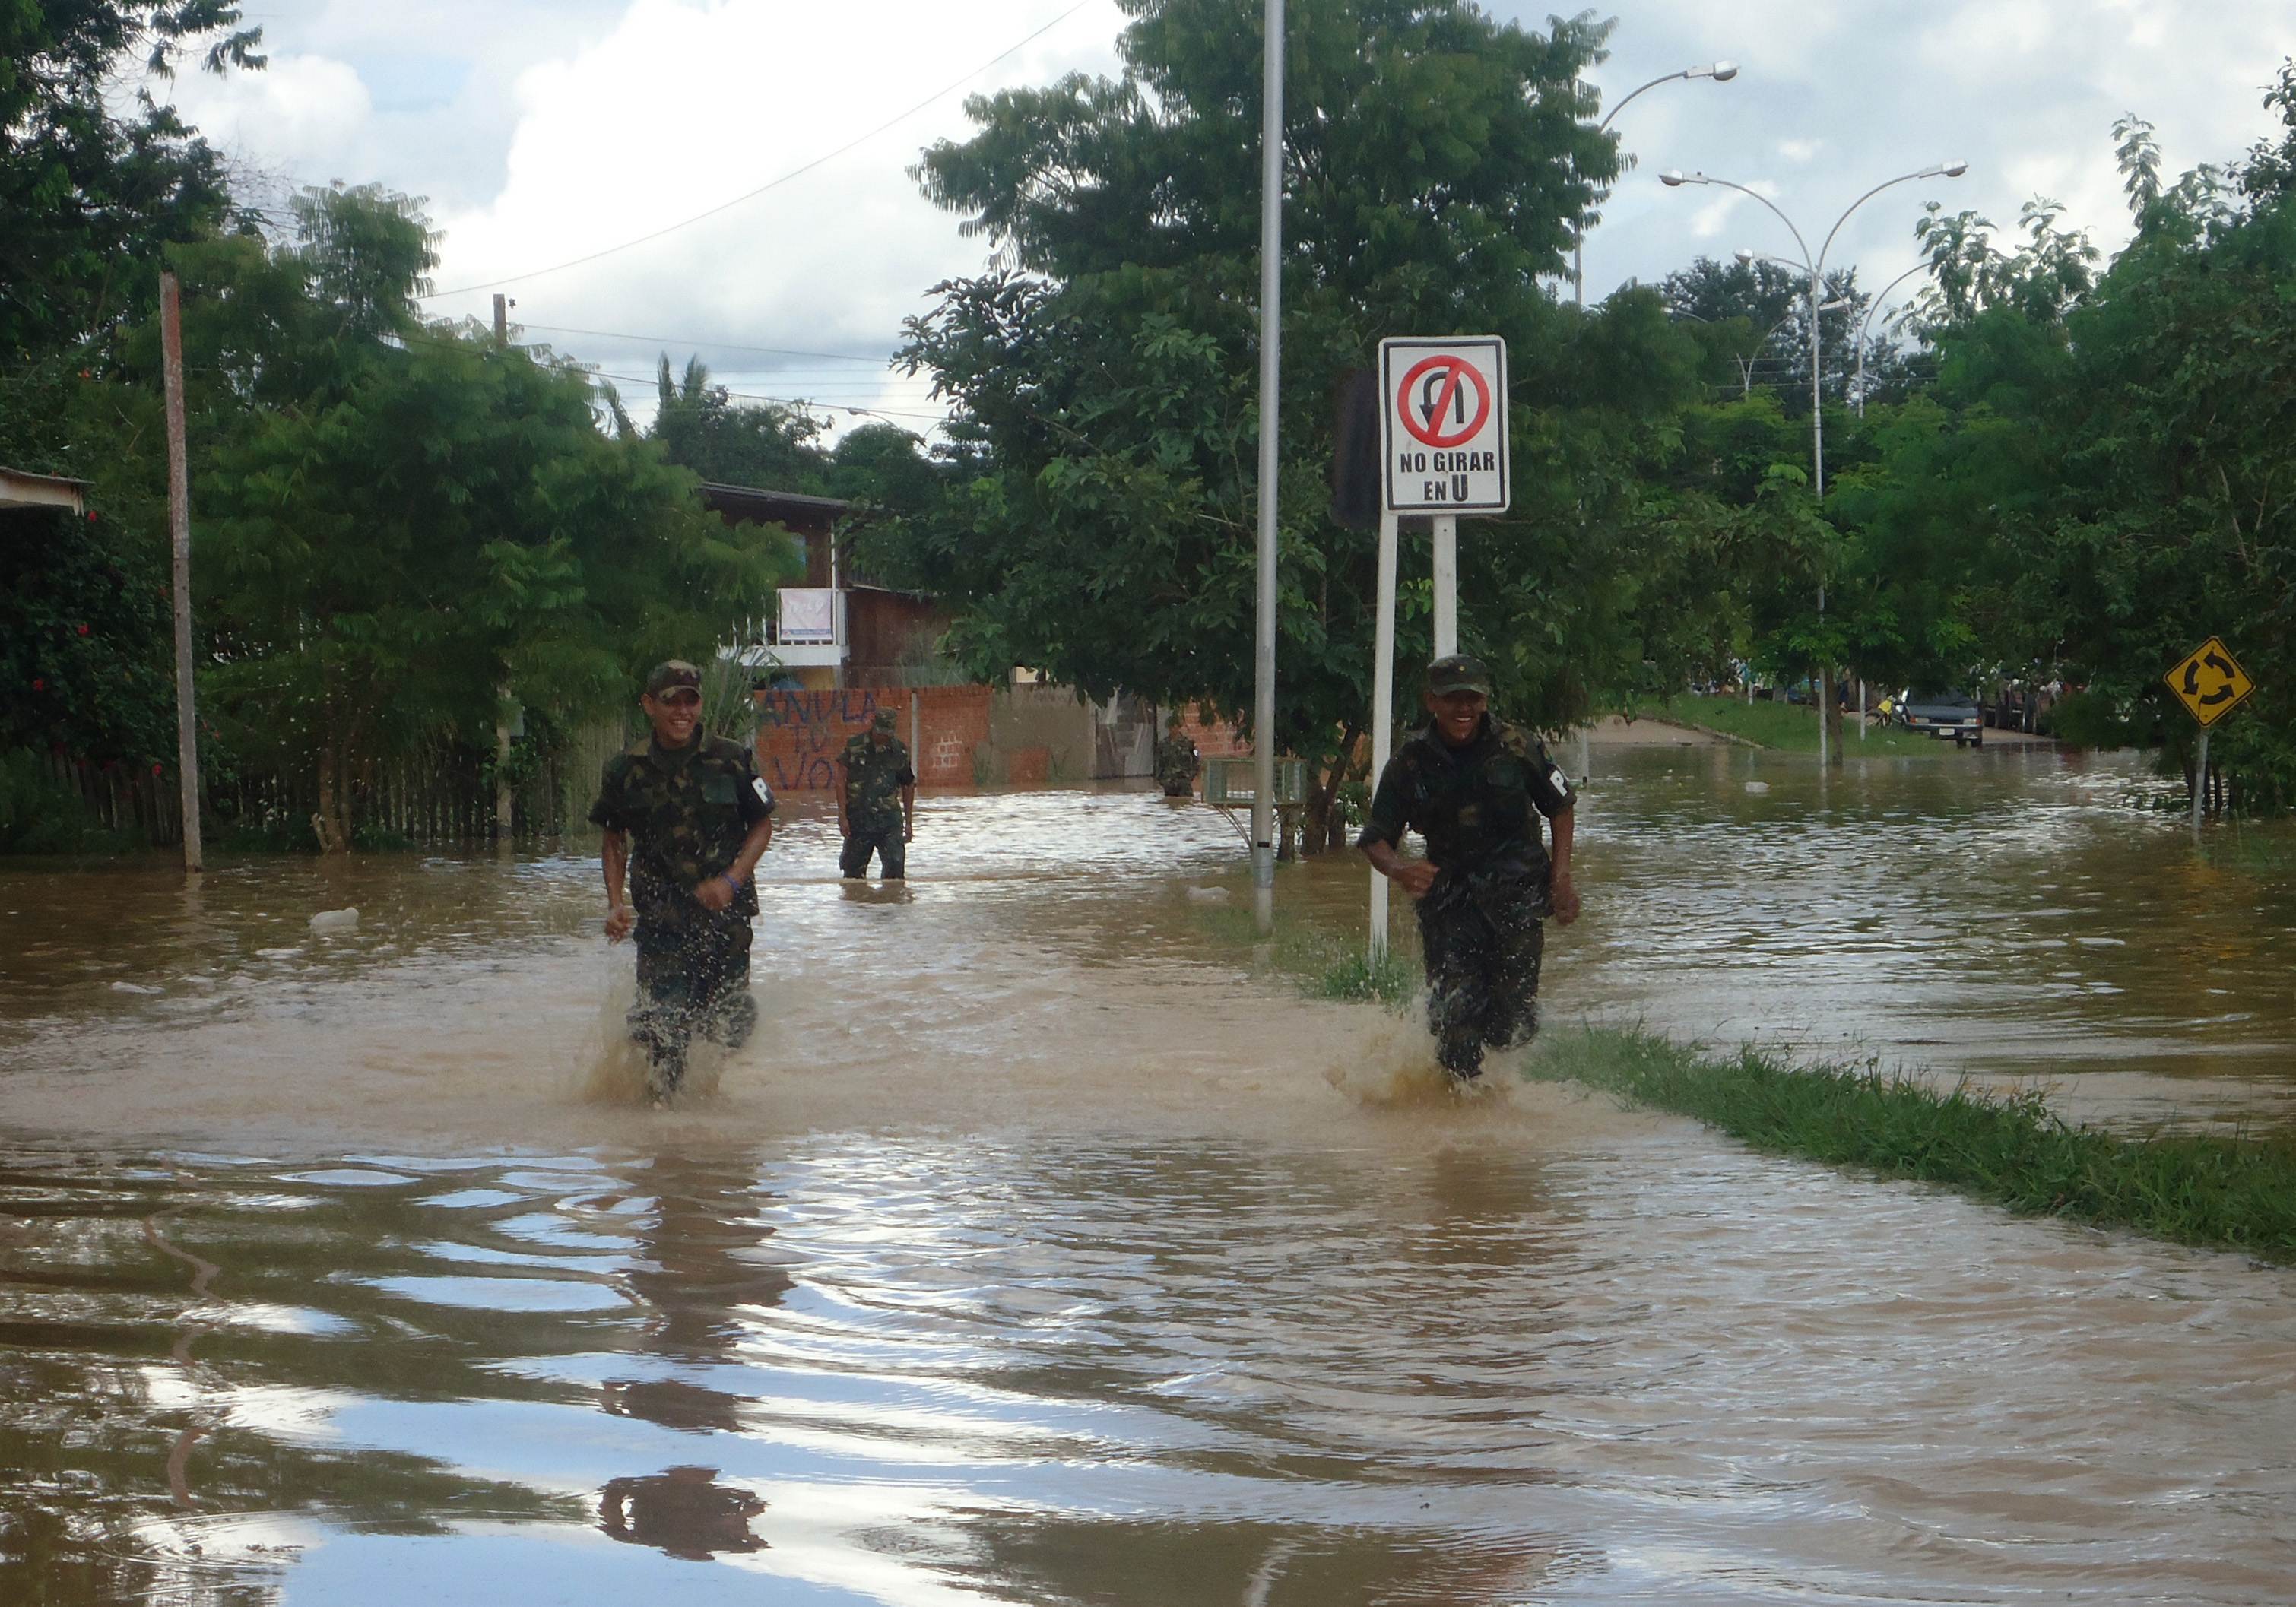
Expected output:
(1563, 893)
(615, 852)
(1552, 794)
(908, 811)
(1383, 831)
(1413, 876)
(753, 846)
(844, 786)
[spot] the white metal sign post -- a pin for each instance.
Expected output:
(1382, 703)
(1443, 452)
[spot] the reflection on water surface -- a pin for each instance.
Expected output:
(1038, 1253)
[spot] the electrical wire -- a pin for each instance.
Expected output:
(793, 173)
(778, 351)
(786, 401)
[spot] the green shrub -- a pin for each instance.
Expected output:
(2089, 719)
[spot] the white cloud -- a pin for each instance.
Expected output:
(2024, 90)
(299, 103)
(543, 129)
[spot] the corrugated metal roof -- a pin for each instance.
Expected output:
(20, 488)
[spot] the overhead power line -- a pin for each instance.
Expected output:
(786, 401)
(793, 173)
(778, 351)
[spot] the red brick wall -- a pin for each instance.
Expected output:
(1214, 739)
(801, 734)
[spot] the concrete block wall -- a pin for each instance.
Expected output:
(801, 734)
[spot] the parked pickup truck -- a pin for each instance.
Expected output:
(1944, 714)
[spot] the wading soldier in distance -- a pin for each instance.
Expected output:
(1475, 787)
(688, 815)
(1177, 763)
(876, 801)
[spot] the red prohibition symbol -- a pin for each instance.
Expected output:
(1435, 390)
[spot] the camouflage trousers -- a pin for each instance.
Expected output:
(885, 842)
(694, 982)
(1483, 956)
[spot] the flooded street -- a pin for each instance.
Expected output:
(1042, 1248)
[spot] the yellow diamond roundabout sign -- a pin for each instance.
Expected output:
(2209, 682)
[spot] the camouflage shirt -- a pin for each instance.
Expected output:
(686, 811)
(1176, 761)
(874, 779)
(1477, 806)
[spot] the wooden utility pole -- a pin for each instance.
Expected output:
(503, 810)
(179, 531)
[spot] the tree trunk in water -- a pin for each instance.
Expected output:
(1320, 833)
(1830, 710)
(330, 824)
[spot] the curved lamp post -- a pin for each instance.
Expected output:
(1873, 307)
(1815, 267)
(1721, 72)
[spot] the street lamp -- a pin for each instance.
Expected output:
(1871, 307)
(1674, 178)
(1721, 72)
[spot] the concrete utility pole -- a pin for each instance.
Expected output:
(179, 533)
(506, 810)
(1271, 368)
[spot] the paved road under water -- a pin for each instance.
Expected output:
(1040, 1250)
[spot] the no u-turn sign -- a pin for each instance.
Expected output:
(1443, 423)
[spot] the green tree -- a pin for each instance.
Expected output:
(1753, 319)
(1435, 164)
(701, 426)
(415, 517)
(2106, 459)
(93, 189)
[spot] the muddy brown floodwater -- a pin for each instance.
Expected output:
(1040, 1249)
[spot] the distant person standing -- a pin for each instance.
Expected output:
(1177, 762)
(876, 802)
(687, 816)
(1475, 788)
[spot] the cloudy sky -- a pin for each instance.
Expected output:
(544, 131)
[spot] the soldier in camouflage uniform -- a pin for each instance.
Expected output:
(687, 813)
(1177, 764)
(876, 801)
(1475, 787)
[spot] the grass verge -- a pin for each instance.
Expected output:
(1322, 964)
(2009, 1150)
(1789, 727)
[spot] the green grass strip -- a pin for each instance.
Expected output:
(1789, 727)
(2007, 1149)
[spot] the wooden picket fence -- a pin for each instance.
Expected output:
(124, 797)
(439, 798)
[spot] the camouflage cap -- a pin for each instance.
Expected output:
(1457, 672)
(671, 673)
(887, 720)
